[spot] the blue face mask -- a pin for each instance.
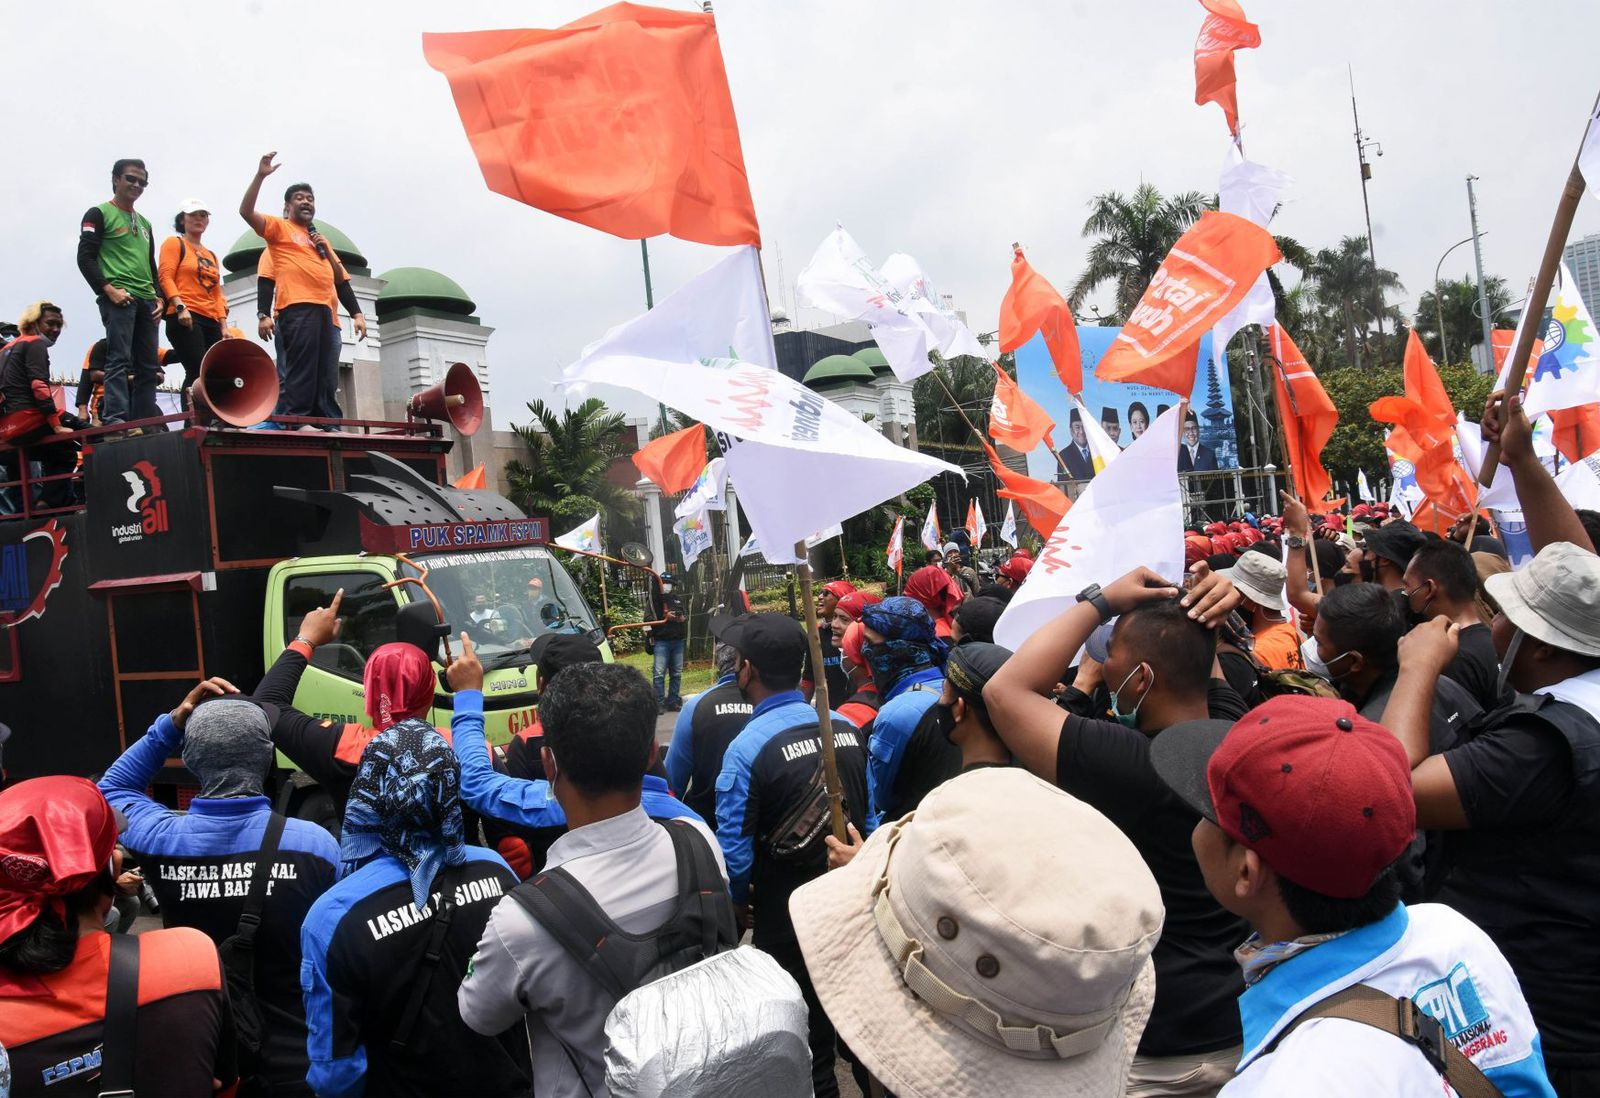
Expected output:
(1131, 718)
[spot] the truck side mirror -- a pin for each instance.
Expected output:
(417, 624)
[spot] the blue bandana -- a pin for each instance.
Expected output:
(910, 642)
(405, 803)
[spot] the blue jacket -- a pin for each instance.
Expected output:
(516, 800)
(680, 752)
(902, 710)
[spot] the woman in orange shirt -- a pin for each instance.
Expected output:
(191, 282)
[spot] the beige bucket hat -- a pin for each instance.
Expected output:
(1556, 598)
(1259, 578)
(995, 941)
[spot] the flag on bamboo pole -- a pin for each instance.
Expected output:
(709, 490)
(1566, 373)
(1363, 489)
(694, 536)
(1008, 528)
(1042, 504)
(674, 462)
(1308, 419)
(477, 479)
(896, 550)
(1428, 419)
(1015, 418)
(1033, 305)
(1254, 192)
(976, 527)
(929, 535)
(1589, 154)
(583, 538)
(1224, 30)
(1207, 272)
(620, 120)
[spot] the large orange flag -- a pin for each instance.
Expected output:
(1308, 419)
(1015, 418)
(476, 478)
(1225, 29)
(1207, 273)
(1422, 381)
(1428, 417)
(1577, 431)
(620, 120)
(674, 461)
(1042, 504)
(1033, 305)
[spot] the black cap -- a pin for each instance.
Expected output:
(1108, 415)
(1179, 755)
(972, 664)
(1395, 541)
(977, 617)
(774, 643)
(555, 652)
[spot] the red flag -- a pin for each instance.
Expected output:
(1042, 504)
(674, 461)
(620, 120)
(1033, 305)
(1224, 30)
(475, 479)
(1577, 431)
(1307, 415)
(1207, 273)
(1015, 418)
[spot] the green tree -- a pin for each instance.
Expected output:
(569, 454)
(1457, 299)
(939, 420)
(1134, 233)
(1346, 282)
(1357, 443)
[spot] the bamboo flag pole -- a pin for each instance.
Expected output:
(830, 761)
(1288, 467)
(1533, 312)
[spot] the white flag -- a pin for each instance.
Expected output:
(1502, 494)
(584, 538)
(801, 462)
(1131, 514)
(1579, 482)
(1363, 489)
(1589, 156)
(976, 527)
(930, 528)
(1567, 374)
(1101, 448)
(694, 536)
(707, 491)
(834, 531)
(951, 336)
(896, 551)
(1008, 528)
(752, 548)
(1252, 191)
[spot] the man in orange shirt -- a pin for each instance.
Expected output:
(310, 285)
(1260, 578)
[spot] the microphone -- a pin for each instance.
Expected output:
(322, 249)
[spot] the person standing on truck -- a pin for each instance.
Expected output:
(310, 284)
(202, 863)
(117, 258)
(191, 281)
(30, 414)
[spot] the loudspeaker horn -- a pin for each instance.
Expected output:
(457, 398)
(238, 384)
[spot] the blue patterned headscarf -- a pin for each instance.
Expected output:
(910, 642)
(405, 802)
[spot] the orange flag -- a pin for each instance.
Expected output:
(1423, 384)
(1207, 273)
(620, 120)
(1015, 418)
(1501, 341)
(1042, 504)
(1428, 417)
(1033, 305)
(1308, 419)
(674, 461)
(1577, 431)
(475, 479)
(1225, 29)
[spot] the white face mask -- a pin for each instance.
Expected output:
(1313, 662)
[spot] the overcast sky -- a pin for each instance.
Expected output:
(941, 129)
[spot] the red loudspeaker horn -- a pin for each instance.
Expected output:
(457, 398)
(238, 384)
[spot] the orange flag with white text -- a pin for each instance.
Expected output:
(1042, 504)
(1308, 417)
(620, 120)
(674, 461)
(1033, 305)
(1208, 272)
(1015, 418)
(1225, 29)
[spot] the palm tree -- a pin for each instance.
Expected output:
(1457, 299)
(569, 454)
(1135, 234)
(939, 423)
(1345, 280)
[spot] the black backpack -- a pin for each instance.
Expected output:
(237, 955)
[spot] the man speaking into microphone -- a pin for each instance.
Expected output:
(311, 284)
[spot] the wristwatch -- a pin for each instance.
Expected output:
(1096, 598)
(1296, 542)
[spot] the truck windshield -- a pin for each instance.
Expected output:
(507, 599)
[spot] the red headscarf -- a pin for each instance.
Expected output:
(854, 637)
(938, 593)
(399, 684)
(853, 603)
(56, 835)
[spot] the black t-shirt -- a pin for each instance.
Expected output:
(720, 714)
(660, 606)
(833, 662)
(929, 760)
(1197, 979)
(1476, 667)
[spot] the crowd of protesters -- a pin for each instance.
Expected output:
(1319, 817)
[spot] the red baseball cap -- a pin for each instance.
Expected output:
(1017, 568)
(838, 588)
(1322, 794)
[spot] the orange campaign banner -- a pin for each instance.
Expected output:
(674, 461)
(1308, 419)
(1225, 29)
(1042, 504)
(1208, 272)
(1015, 418)
(621, 120)
(1033, 305)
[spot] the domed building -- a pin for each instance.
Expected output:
(856, 376)
(419, 322)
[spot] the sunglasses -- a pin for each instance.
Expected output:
(136, 180)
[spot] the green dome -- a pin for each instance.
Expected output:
(418, 287)
(837, 370)
(246, 251)
(871, 356)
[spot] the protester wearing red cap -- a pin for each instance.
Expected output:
(1305, 806)
(57, 874)
(828, 597)
(1014, 571)
(861, 707)
(938, 593)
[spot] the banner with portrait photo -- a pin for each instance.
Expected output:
(1126, 410)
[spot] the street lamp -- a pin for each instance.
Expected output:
(1444, 348)
(1363, 143)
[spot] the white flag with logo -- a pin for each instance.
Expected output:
(801, 462)
(584, 538)
(1008, 528)
(707, 492)
(930, 528)
(1363, 489)
(752, 548)
(895, 554)
(1101, 448)
(1567, 373)
(1252, 191)
(1130, 515)
(694, 536)
(951, 336)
